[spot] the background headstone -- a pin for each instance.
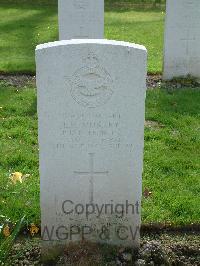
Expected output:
(182, 39)
(91, 108)
(81, 19)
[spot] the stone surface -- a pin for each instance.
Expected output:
(91, 106)
(182, 39)
(81, 19)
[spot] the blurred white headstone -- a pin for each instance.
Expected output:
(91, 108)
(182, 39)
(81, 19)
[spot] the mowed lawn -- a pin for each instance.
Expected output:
(24, 25)
(171, 158)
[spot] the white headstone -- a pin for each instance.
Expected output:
(182, 39)
(91, 107)
(81, 19)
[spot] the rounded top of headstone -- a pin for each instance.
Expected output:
(90, 41)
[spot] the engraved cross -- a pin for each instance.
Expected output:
(92, 174)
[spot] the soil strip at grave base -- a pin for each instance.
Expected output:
(153, 81)
(163, 249)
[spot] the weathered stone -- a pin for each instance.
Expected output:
(81, 19)
(91, 98)
(182, 39)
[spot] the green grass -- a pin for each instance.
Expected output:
(171, 158)
(19, 153)
(24, 24)
(6, 244)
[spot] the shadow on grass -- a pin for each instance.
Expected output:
(139, 6)
(173, 103)
(21, 34)
(30, 2)
(30, 23)
(32, 110)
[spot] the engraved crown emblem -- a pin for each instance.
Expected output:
(91, 60)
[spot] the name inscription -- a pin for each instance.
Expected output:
(85, 131)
